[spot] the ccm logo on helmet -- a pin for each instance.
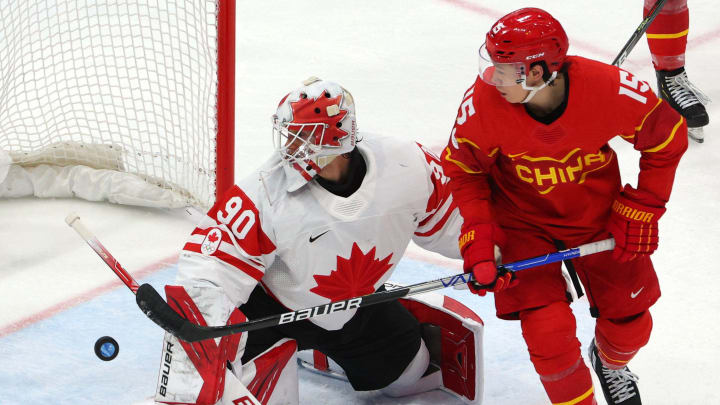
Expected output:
(497, 28)
(537, 55)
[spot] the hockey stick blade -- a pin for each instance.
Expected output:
(153, 305)
(160, 312)
(155, 308)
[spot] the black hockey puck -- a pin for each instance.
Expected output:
(106, 348)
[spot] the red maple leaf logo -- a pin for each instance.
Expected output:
(309, 111)
(213, 237)
(353, 277)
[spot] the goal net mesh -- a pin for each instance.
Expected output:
(123, 85)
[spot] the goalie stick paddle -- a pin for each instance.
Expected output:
(155, 307)
(639, 31)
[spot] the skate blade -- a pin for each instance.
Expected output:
(336, 374)
(696, 134)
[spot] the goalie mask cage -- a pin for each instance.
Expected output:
(143, 87)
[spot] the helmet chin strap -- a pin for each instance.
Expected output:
(535, 89)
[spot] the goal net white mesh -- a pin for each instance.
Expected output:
(124, 85)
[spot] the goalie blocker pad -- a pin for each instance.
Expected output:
(453, 335)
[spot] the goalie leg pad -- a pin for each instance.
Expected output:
(272, 375)
(373, 348)
(235, 392)
(194, 373)
(452, 334)
(454, 341)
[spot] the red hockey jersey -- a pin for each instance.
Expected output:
(561, 176)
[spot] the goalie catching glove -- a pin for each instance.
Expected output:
(634, 223)
(477, 246)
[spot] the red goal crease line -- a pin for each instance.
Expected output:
(84, 297)
(49, 312)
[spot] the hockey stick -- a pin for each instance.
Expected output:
(73, 220)
(153, 305)
(639, 31)
(244, 396)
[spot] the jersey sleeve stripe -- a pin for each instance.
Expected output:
(230, 249)
(639, 127)
(668, 140)
(229, 259)
(466, 140)
(441, 223)
(241, 265)
(432, 212)
(460, 164)
(198, 235)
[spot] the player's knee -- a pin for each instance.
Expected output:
(670, 6)
(622, 338)
(549, 332)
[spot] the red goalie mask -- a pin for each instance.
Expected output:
(313, 125)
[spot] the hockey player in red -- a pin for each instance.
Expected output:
(326, 218)
(667, 38)
(531, 170)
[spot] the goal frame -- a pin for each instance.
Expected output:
(225, 134)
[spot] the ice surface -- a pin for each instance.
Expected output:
(407, 64)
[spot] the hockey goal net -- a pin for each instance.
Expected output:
(139, 87)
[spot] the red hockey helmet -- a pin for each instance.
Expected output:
(518, 40)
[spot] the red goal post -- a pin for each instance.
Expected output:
(133, 89)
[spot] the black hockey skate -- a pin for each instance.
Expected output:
(619, 386)
(675, 88)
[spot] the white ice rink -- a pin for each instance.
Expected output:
(407, 64)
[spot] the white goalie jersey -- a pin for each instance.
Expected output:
(310, 247)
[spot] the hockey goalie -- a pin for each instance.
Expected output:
(327, 218)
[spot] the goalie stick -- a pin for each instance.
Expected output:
(155, 307)
(244, 396)
(73, 220)
(639, 31)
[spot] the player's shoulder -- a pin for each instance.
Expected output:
(396, 166)
(394, 148)
(591, 72)
(580, 63)
(481, 116)
(380, 144)
(479, 94)
(614, 87)
(264, 184)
